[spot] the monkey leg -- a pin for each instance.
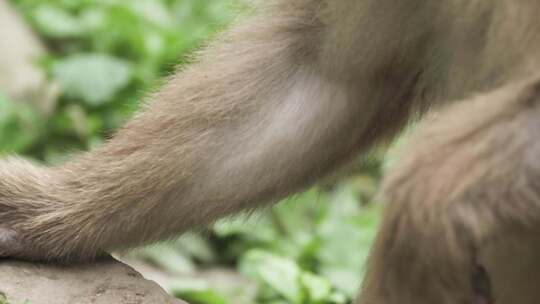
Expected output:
(470, 177)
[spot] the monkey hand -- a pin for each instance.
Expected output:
(36, 223)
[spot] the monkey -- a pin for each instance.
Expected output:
(464, 196)
(288, 96)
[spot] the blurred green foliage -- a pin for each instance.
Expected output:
(106, 55)
(310, 249)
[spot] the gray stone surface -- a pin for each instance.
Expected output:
(104, 282)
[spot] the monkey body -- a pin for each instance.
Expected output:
(285, 98)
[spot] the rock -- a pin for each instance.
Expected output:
(104, 282)
(233, 286)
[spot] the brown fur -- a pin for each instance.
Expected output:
(452, 194)
(288, 96)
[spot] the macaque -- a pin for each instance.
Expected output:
(288, 96)
(470, 177)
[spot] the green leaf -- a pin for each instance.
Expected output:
(20, 126)
(3, 298)
(95, 78)
(57, 23)
(197, 246)
(196, 292)
(152, 11)
(166, 257)
(245, 225)
(281, 274)
(318, 289)
(338, 298)
(346, 233)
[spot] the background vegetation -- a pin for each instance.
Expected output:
(106, 55)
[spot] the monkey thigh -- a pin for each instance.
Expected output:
(513, 264)
(466, 193)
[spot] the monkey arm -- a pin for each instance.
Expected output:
(262, 114)
(470, 177)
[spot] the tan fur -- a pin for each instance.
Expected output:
(470, 176)
(288, 96)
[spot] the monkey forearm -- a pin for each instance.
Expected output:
(211, 142)
(259, 117)
(177, 165)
